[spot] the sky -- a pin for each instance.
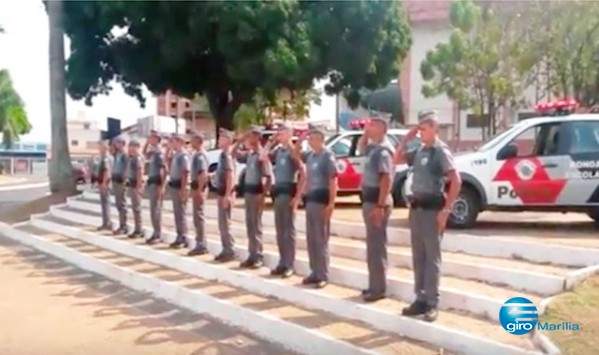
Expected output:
(24, 52)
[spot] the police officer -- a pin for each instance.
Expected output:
(290, 179)
(178, 182)
(225, 186)
(321, 190)
(433, 166)
(199, 179)
(256, 183)
(119, 181)
(376, 208)
(156, 183)
(135, 183)
(103, 180)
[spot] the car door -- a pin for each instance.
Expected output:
(536, 174)
(582, 187)
(349, 166)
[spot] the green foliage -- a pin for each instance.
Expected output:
(568, 43)
(13, 118)
(487, 62)
(227, 51)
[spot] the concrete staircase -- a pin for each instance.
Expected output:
(480, 274)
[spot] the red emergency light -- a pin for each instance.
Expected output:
(359, 123)
(557, 108)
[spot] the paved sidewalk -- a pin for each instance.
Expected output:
(49, 307)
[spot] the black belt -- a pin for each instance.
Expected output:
(131, 183)
(253, 189)
(195, 185)
(117, 179)
(154, 180)
(435, 202)
(370, 194)
(322, 196)
(175, 184)
(289, 189)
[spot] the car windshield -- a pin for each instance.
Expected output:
(330, 139)
(493, 141)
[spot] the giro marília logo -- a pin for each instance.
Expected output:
(518, 315)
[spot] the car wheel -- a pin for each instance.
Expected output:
(465, 209)
(211, 170)
(594, 215)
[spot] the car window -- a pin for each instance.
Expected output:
(342, 147)
(539, 140)
(585, 137)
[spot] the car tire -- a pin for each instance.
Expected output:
(465, 209)
(594, 215)
(211, 170)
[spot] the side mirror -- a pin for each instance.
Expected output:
(507, 152)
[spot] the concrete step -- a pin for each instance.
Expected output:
(535, 252)
(297, 328)
(453, 331)
(539, 279)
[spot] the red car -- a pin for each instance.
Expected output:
(81, 173)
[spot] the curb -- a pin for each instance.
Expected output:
(459, 243)
(291, 336)
(482, 305)
(17, 187)
(442, 336)
(541, 340)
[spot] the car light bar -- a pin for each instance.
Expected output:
(557, 108)
(359, 123)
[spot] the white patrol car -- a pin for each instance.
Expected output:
(546, 163)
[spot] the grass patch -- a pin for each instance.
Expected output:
(579, 306)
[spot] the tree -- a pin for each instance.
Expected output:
(60, 169)
(13, 117)
(487, 62)
(227, 51)
(568, 44)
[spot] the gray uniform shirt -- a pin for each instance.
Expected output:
(430, 165)
(225, 164)
(285, 169)
(136, 162)
(255, 170)
(105, 164)
(120, 164)
(379, 160)
(199, 164)
(320, 168)
(179, 165)
(156, 163)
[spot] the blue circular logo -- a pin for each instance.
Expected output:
(518, 316)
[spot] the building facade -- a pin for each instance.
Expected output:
(84, 135)
(195, 114)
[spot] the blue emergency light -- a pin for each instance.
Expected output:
(557, 108)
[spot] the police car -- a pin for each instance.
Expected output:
(544, 163)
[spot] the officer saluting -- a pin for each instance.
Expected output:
(199, 178)
(225, 185)
(256, 182)
(118, 183)
(178, 182)
(432, 165)
(135, 183)
(156, 183)
(288, 168)
(377, 203)
(320, 192)
(103, 179)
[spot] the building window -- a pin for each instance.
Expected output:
(86, 125)
(74, 143)
(186, 104)
(526, 115)
(477, 121)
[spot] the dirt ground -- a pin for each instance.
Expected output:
(51, 308)
(579, 306)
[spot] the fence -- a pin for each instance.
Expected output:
(23, 166)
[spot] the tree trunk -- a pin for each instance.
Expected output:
(60, 169)
(223, 106)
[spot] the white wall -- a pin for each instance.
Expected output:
(82, 136)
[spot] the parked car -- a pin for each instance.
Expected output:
(81, 173)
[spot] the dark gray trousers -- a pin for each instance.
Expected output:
(135, 197)
(253, 223)
(426, 254)
(179, 209)
(376, 248)
(285, 229)
(198, 219)
(224, 226)
(317, 238)
(155, 209)
(105, 205)
(118, 190)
